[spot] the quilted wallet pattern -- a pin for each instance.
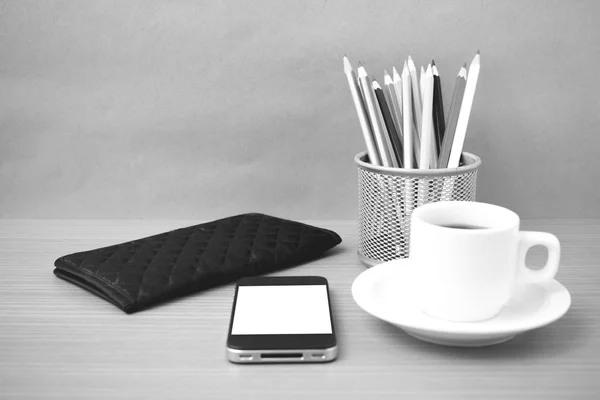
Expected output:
(144, 272)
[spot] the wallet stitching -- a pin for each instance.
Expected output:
(187, 242)
(141, 281)
(280, 242)
(80, 281)
(235, 230)
(331, 233)
(262, 218)
(222, 259)
(277, 242)
(299, 251)
(115, 249)
(235, 234)
(109, 283)
(135, 251)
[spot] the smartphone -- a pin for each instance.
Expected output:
(283, 319)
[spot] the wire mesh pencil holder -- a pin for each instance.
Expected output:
(388, 196)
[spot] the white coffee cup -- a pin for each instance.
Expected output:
(468, 258)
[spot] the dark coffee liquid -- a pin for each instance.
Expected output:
(463, 226)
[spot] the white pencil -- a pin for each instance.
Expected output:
(394, 103)
(374, 111)
(397, 86)
(361, 111)
(416, 96)
(465, 112)
(421, 87)
(407, 118)
(427, 120)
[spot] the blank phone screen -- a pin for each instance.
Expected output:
(281, 310)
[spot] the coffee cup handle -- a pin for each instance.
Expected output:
(548, 272)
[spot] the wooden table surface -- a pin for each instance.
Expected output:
(59, 341)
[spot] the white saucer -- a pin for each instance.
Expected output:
(385, 292)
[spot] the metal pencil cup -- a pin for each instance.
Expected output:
(387, 197)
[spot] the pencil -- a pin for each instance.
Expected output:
(407, 119)
(439, 123)
(389, 124)
(397, 81)
(433, 150)
(374, 116)
(421, 87)
(388, 92)
(416, 96)
(427, 120)
(384, 127)
(465, 112)
(361, 111)
(395, 104)
(457, 96)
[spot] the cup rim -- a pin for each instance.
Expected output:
(473, 162)
(512, 221)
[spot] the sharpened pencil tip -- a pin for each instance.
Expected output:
(477, 51)
(347, 65)
(411, 65)
(385, 73)
(432, 62)
(362, 72)
(475, 60)
(405, 72)
(405, 69)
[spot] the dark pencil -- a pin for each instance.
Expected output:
(389, 123)
(439, 125)
(459, 91)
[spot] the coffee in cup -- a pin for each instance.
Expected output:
(468, 258)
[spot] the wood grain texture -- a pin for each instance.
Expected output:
(57, 341)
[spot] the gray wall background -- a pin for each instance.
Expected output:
(197, 109)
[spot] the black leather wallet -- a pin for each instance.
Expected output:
(144, 272)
